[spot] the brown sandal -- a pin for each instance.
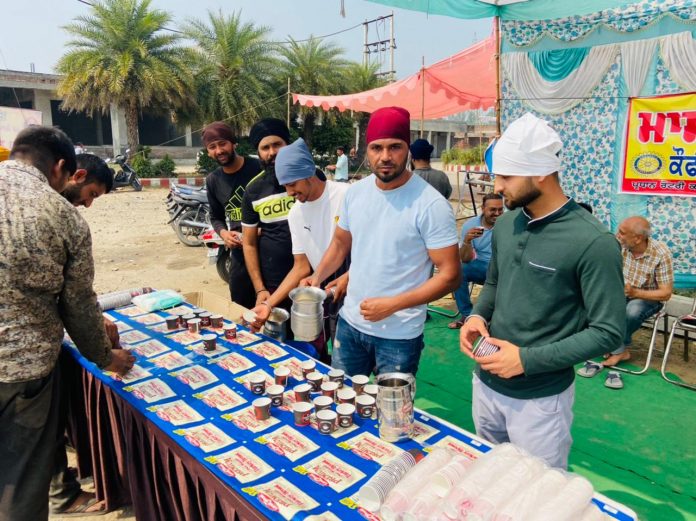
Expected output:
(457, 324)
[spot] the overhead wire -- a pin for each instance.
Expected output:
(286, 42)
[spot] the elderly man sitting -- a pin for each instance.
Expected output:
(648, 279)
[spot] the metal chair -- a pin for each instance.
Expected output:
(679, 323)
(655, 319)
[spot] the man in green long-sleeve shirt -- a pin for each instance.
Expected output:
(553, 297)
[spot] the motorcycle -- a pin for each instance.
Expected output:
(179, 190)
(217, 253)
(190, 217)
(126, 176)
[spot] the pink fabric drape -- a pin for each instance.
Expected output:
(464, 81)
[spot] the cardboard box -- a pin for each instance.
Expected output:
(216, 304)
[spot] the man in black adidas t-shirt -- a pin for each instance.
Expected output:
(226, 186)
(268, 254)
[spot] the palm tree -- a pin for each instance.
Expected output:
(119, 54)
(234, 65)
(314, 67)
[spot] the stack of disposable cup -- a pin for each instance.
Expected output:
(527, 499)
(117, 299)
(402, 495)
(523, 471)
(422, 505)
(373, 493)
(593, 513)
(444, 479)
(568, 504)
(479, 476)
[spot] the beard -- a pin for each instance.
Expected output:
(387, 178)
(268, 165)
(227, 162)
(71, 193)
(525, 198)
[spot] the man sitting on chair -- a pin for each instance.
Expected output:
(475, 252)
(648, 279)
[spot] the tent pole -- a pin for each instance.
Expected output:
(422, 118)
(498, 86)
(289, 98)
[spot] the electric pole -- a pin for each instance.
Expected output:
(379, 45)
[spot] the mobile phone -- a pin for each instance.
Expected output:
(482, 347)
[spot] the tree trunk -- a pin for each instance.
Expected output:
(308, 125)
(132, 128)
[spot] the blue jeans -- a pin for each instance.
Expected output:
(637, 312)
(360, 353)
(474, 271)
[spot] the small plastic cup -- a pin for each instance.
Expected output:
(322, 402)
(359, 382)
(230, 331)
(371, 389)
(205, 318)
(365, 405)
(183, 320)
(308, 366)
(345, 414)
(329, 389)
(216, 321)
(194, 325)
(302, 412)
(172, 322)
(346, 395)
(337, 375)
(281, 375)
(326, 421)
(257, 384)
(275, 393)
(315, 378)
(262, 408)
(209, 342)
(302, 392)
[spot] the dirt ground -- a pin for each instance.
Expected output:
(134, 247)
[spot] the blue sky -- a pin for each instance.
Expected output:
(31, 29)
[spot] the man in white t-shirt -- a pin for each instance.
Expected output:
(395, 226)
(312, 221)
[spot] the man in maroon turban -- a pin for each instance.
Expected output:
(395, 226)
(226, 186)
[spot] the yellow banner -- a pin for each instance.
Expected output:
(660, 155)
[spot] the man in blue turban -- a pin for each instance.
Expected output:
(312, 221)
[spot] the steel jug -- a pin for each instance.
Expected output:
(307, 313)
(395, 395)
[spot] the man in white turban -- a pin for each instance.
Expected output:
(553, 297)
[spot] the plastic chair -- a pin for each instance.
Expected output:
(679, 323)
(655, 319)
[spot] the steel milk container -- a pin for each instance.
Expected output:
(395, 394)
(275, 324)
(307, 313)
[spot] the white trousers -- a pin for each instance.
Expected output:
(541, 426)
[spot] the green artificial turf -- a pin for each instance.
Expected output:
(636, 445)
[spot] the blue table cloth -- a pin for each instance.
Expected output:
(203, 402)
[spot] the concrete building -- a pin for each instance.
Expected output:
(102, 134)
(106, 135)
(444, 134)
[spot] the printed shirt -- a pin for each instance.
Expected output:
(266, 205)
(46, 275)
(652, 268)
(226, 192)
